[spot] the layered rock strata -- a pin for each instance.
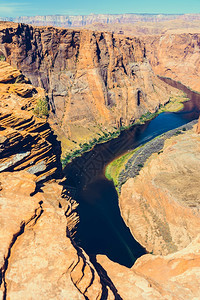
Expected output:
(96, 81)
(38, 258)
(26, 141)
(176, 56)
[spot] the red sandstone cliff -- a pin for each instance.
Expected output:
(95, 80)
(176, 56)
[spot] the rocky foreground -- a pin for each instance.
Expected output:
(38, 259)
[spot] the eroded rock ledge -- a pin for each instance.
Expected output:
(37, 260)
(26, 141)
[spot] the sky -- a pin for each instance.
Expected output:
(11, 8)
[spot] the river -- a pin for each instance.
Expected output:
(101, 229)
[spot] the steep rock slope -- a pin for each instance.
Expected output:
(26, 141)
(176, 56)
(37, 259)
(174, 276)
(161, 204)
(95, 81)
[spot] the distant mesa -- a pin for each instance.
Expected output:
(79, 21)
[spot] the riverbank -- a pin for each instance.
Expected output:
(129, 165)
(174, 104)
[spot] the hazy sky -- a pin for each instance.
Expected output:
(12, 8)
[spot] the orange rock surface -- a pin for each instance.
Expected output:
(175, 276)
(161, 204)
(26, 141)
(37, 259)
(93, 80)
(176, 56)
(198, 126)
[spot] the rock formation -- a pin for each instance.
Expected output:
(37, 259)
(175, 56)
(175, 276)
(26, 141)
(95, 81)
(161, 204)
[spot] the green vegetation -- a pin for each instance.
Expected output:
(88, 146)
(174, 104)
(42, 108)
(113, 170)
(2, 58)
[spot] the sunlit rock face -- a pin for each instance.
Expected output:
(38, 258)
(96, 81)
(161, 204)
(26, 141)
(176, 56)
(174, 276)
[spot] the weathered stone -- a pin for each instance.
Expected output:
(27, 142)
(175, 56)
(161, 204)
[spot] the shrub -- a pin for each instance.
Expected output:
(2, 58)
(177, 132)
(42, 108)
(140, 165)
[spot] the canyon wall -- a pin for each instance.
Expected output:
(96, 81)
(161, 204)
(176, 56)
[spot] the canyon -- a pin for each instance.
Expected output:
(96, 82)
(93, 82)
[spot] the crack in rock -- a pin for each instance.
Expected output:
(38, 212)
